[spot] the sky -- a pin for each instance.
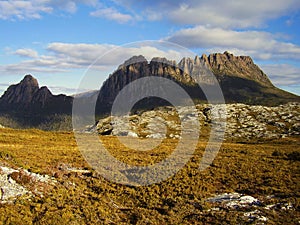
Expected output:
(57, 40)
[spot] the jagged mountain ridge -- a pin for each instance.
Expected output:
(29, 105)
(21, 93)
(240, 79)
(28, 96)
(227, 64)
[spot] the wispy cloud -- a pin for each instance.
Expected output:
(23, 9)
(232, 14)
(26, 52)
(112, 14)
(258, 44)
(216, 13)
(34, 9)
(63, 57)
(282, 74)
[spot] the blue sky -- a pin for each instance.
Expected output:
(56, 41)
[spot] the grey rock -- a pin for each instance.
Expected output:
(242, 121)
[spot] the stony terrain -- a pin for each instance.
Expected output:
(242, 122)
(19, 182)
(253, 208)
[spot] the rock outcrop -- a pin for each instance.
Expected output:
(19, 182)
(250, 207)
(243, 122)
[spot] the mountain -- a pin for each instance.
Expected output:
(227, 65)
(240, 79)
(30, 105)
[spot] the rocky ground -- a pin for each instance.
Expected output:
(16, 183)
(19, 182)
(254, 209)
(242, 121)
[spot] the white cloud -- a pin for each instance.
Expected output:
(34, 9)
(258, 44)
(216, 13)
(63, 57)
(112, 14)
(30, 66)
(77, 55)
(235, 14)
(22, 9)
(282, 74)
(26, 52)
(82, 55)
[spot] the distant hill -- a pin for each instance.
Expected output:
(28, 105)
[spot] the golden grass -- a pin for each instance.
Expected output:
(258, 169)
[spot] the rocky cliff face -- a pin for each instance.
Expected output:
(22, 93)
(227, 64)
(240, 79)
(29, 104)
(27, 96)
(133, 69)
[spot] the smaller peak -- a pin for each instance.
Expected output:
(185, 60)
(135, 59)
(159, 59)
(197, 60)
(163, 60)
(28, 76)
(42, 95)
(29, 79)
(45, 89)
(227, 53)
(204, 56)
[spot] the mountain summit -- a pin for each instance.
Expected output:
(26, 93)
(240, 79)
(30, 105)
(227, 64)
(27, 96)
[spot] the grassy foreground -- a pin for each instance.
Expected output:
(269, 171)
